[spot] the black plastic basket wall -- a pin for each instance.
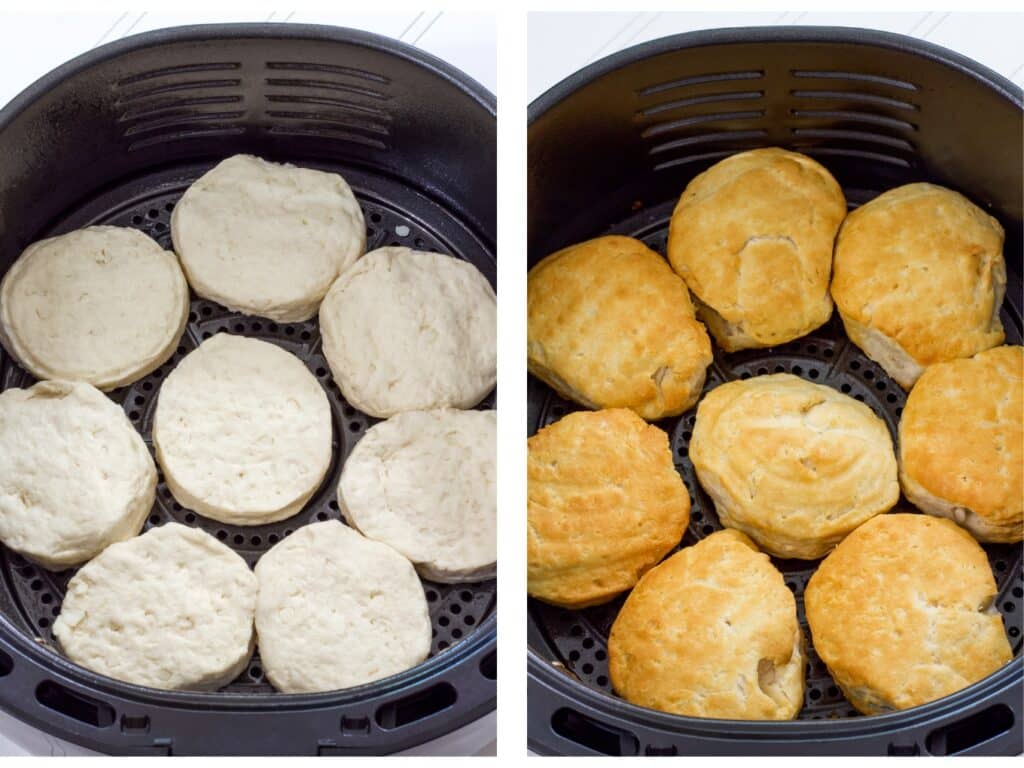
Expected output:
(115, 137)
(610, 150)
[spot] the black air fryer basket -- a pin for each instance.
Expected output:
(610, 150)
(115, 137)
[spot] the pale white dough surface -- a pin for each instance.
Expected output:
(242, 431)
(267, 239)
(336, 610)
(75, 476)
(170, 609)
(408, 330)
(105, 305)
(424, 482)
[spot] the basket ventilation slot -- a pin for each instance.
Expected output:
(686, 82)
(589, 733)
(417, 706)
(861, 77)
(77, 706)
(971, 731)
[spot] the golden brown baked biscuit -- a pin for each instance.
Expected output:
(711, 632)
(902, 614)
(962, 443)
(605, 503)
(609, 325)
(752, 236)
(794, 465)
(919, 278)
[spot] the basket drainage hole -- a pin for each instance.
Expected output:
(443, 621)
(190, 518)
(239, 539)
(256, 673)
(431, 595)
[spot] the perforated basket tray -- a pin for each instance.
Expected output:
(874, 108)
(115, 137)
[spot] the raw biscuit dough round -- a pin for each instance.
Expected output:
(711, 632)
(424, 483)
(794, 465)
(242, 431)
(170, 609)
(105, 305)
(336, 610)
(408, 330)
(75, 476)
(267, 239)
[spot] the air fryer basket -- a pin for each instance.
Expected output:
(610, 150)
(115, 137)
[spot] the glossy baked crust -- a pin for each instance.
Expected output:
(794, 465)
(962, 443)
(609, 325)
(711, 632)
(918, 279)
(752, 237)
(902, 613)
(605, 503)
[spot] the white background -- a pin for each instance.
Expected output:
(561, 43)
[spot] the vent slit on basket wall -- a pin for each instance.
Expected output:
(152, 74)
(856, 76)
(709, 98)
(686, 82)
